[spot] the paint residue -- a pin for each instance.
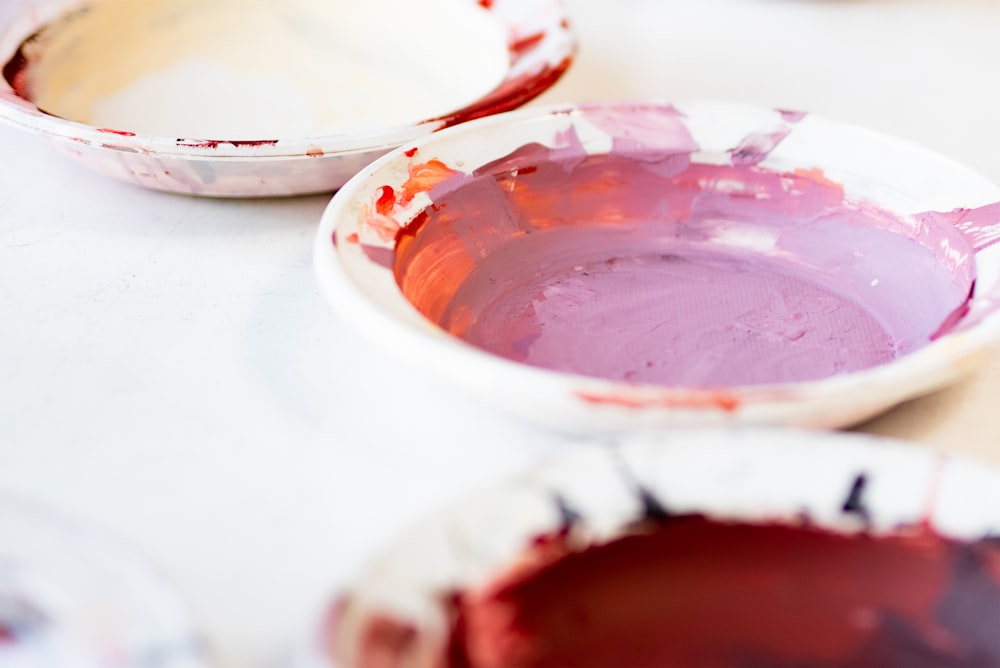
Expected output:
(670, 593)
(261, 68)
(642, 266)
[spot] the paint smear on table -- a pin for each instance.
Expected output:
(670, 593)
(261, 68)
(643, 265)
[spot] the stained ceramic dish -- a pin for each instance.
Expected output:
(734, 548)
(71, 598)
(625, 265)
(262, 98)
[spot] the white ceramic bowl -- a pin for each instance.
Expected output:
(228, 157)
(851, 489)
(71, 597)
(877, 221)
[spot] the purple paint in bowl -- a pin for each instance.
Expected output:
(714, 252)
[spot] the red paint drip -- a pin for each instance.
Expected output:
(486, 4)
(353, 238)
(123, 133)
(409, 153)
(385, 200)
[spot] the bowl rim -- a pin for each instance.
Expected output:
(931, 366)
(537, 60)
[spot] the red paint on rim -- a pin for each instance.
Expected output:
(509, 95)
(215, 143)
(123, 133)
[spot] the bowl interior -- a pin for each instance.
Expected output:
(700, 548)
(702, 246)
(230, 69)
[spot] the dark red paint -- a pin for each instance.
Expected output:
(690, 591)
(215, 143)
(509, 95)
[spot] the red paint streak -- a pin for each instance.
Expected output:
(423, 177)
(708, 400)
(523, 45)
(353, 238)
(486, 4)
(509, 95)
(409, 153)
(123, 133)
(215, 143)
(315, 153)
(385, 200)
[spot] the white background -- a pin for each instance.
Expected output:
(168, 370)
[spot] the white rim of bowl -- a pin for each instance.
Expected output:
(535, 65)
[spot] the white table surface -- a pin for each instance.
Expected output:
(169, 371)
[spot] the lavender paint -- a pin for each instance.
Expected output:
(646, 266)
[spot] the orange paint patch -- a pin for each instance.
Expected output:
(315, 153)
(816, 174)
(695, 400)
(423, 177)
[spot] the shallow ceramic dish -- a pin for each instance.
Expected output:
(624, 265)
(694, 548)
(240, 99)
(72, 598)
